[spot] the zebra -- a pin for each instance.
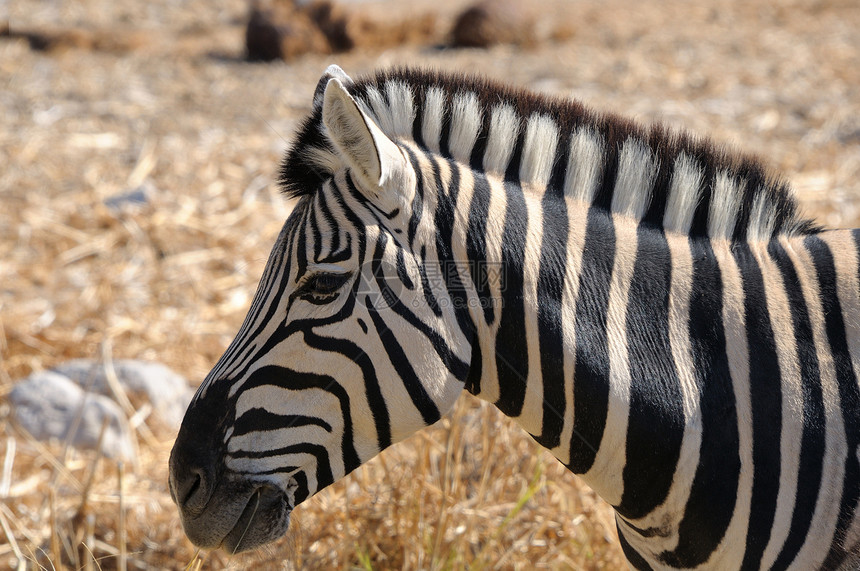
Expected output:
(662, 320)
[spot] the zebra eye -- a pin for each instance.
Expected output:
(322, 287)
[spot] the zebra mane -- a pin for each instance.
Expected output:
(672, 180)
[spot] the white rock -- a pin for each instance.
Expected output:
(143, 381)
(51, 406)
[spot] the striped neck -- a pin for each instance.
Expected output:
(649, 363)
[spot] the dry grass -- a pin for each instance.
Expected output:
(170, 280)
(432, 502)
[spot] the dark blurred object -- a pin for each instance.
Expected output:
(285, 29)
(332, 21)
(51, 40)
(131, 198)
(492, 22)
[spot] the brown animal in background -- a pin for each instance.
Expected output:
(492, 22)
(282, 30)
(286, 29)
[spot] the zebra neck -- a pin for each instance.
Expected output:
(624, 349)
(554, 324)
(577, 325)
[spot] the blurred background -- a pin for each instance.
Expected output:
(139, 142)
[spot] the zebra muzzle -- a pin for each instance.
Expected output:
(265, 518)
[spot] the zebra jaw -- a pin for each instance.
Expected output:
(266, 517)
(240, 515)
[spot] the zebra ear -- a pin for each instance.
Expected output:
(368, 151)
(331, 72)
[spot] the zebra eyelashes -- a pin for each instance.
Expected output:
(322, 287)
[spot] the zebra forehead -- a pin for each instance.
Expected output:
(488, 125)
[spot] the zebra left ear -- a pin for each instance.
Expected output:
(368, 151)
(332, 71)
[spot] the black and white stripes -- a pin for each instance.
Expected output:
(648, 306)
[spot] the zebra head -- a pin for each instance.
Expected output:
(347, 347)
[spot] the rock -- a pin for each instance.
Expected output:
(492, 22)
(143, 381)
(286, 29)
(131, 198)
(75, 398)
(51, 406)
(280, 29)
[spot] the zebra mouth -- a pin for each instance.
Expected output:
(265, 518)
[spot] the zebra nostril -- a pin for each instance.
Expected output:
(191, 490)
(195, 487)
(192, 477)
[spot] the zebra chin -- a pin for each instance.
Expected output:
(240, 516)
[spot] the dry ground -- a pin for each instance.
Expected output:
(171, 280)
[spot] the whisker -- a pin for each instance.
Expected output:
(248, 526)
